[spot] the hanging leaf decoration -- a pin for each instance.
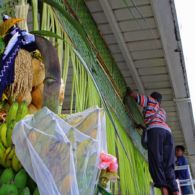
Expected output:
(2, 45)
(77, 26)
(82, 94)
(5, 26)
(46, 33)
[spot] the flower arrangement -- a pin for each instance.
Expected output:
(108, 165)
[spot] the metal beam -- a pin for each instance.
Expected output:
(166, 19)
(120, 40)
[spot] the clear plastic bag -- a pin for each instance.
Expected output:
(62, 155)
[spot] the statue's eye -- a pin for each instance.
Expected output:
(49, 80)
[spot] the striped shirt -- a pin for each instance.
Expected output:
(154, 115)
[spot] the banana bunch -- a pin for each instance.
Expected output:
(7, 152)
(18, 183)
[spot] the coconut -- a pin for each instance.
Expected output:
(37, 96)
(38, 72)
(32, 109)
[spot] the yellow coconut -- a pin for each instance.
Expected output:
(67, 183)
(38, 72)
(32, 137)
(32, 109)
(27, 98)
(37, 96)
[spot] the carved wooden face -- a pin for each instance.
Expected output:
(52, 80)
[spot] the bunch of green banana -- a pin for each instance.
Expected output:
(16, 183)
(13, 179)
(7, 152)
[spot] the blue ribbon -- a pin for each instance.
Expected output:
(7, 66)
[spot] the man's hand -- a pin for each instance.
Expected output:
(129, 93)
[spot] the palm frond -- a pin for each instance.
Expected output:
(46, 33)
(35, 14)
(134, 174)
(77, 26)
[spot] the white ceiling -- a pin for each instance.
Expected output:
(141, 38)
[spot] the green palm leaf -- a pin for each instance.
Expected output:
(77, 26)
(134, 175)
(46, 33)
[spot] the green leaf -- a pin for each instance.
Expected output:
(103, 191)
(2, 45)
(78, 27)
(35, 14)
(46, 33)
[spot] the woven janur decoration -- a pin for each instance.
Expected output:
(23, 74)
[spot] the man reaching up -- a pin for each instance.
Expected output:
(160, 143)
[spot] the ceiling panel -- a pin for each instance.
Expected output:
(152, 71)
(172, 114)
(173, 124)
(139, 24)
(122, 65)
(147, 54)
(173, 119)
(120, 61)
(131, 85)
(94, 6)
(118, 57)
(179, 142)
(110, 39)
(177, 131)
(125, 72)
(178, 139)
(178, 136)
(114, 48)
(144, 45)
(133, 13)
(141, 35)
(155, 78)
(168, 97)
(99, 17)
(105, 29)
(115, 4)
(168, 103)
(150, 62)
(170, 108)
(176, 126)
(129, 80)
(166, 91)
(156, 85)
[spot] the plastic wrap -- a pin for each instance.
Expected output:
(62, 155)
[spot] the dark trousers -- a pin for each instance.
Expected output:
(161, 158)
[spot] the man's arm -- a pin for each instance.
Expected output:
(142, 100)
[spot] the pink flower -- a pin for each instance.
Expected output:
(108, 161)
(104, 165)
(113, 167)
